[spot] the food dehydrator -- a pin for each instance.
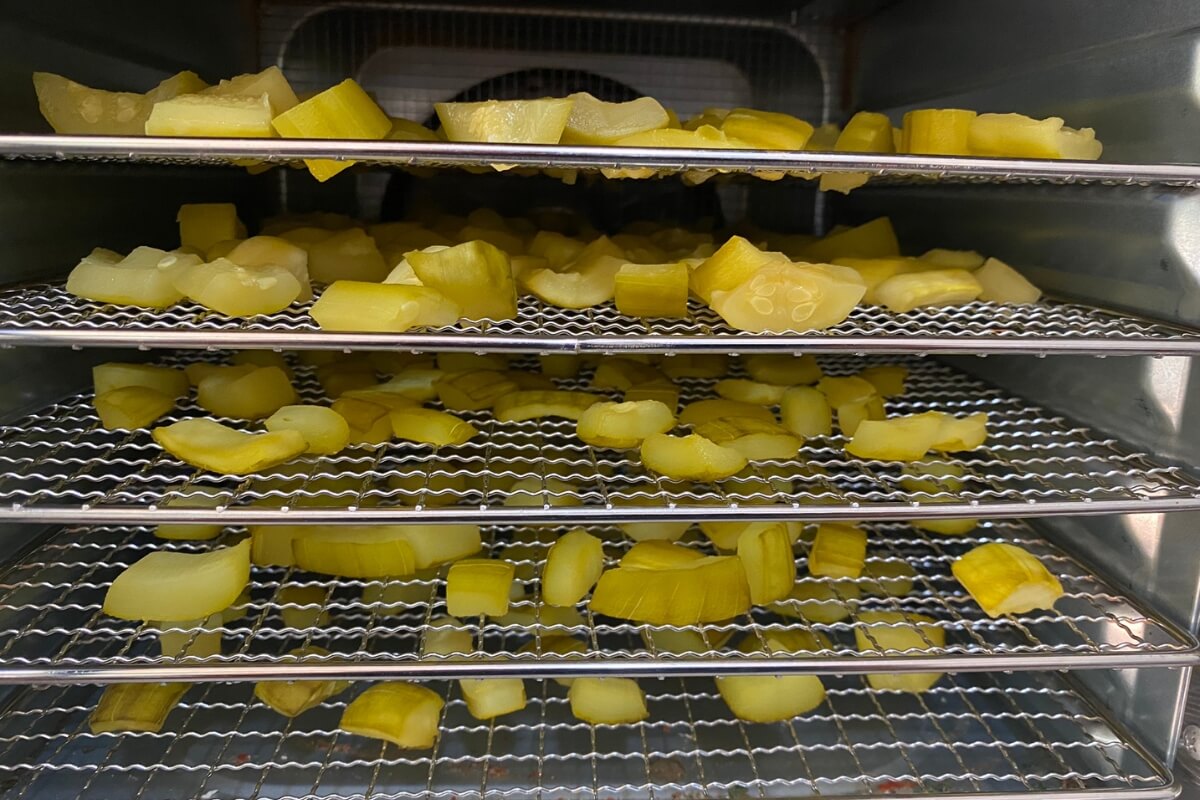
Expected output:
(1092, 461)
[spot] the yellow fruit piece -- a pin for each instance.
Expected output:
(270, 82)
(488, 698)
(382, 307)
(887, 380)
(476, 587)
(652, 290)
(344, 111)
(736, 262)
(897, 632)
(766, 556)
(203, 225)
(623, 425)
(208, 444)
(523, 405)
(937, 131)
(783, 369)
(358, 551)
(939, 287)
(302, 607)
(404, 714)
(842, 391)
(684, 641)
(349, 255)
(866, 132)
(708, 365)
(1006, 579)
(1003, 284)
(960, 434)
(558, 250)
(73, 108)
(851, 415)
(744, 391)
(145, 277)
(839, 551)
(662, 391)
(428, 426)
(906, 438)
(135, 707)
(623, 373)
(506, 121)
(474, 390)
(475, 275)
(115, 375)
(1015, 135)
(245, 393)
(131, 407)
(594, 121)
(196, 498)
(369, 423)
(805, 412)
(709, 589)
(271, 545)
(293, 698)
(755, 439)
(783, 297)
(770, 698)
(875, 271)
(821, 601)
(875, 239)
(700, 411)
(888, 578)
(169, 585)
(583, 284)
(447, 636)
(691, 457)
(211, 115)
(949, 259)
(767, 130)
(657, 554)
(324, 430)
(405, 130)
(237, 291)
(726, 535)
(607, 701)
(194, 638)
(573, 565)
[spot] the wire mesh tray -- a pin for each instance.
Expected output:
(52, 629)
(226, 152)
(59, 465)
(1002, 736)
(46, 314)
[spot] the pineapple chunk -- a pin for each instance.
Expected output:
(196, 498)
(607, 701)
(1003, 284)
(783, 369)
(805, 412)
(506, 121)
(887, 380)
(875, 239)
(270, 82)
(204, 225)
(950, 259)
(382, 307)
(428, 426)
(884, 631)
(404, 714)
(523, 405)
(726, 535)
(691, 457)
(623, 425)
(324, 430)
(783, 296)
(344, 111)
(701, 411)
(594, 121)
(744, 391)
(475, 275)
(131, 407)
(935, 287)
(247, 393)
(175, 586)
(843, 391)
(937, 131)
(73, 108)
(767, 130)
(349, 255)
(212, 115)
(736, 262)
(652, 290)
(623, 373)
(906, 438)
(889, 578)
(355, 551)
(293, 698)
(302, 607)
(474, 390)
(770, 698)
(478, 586)
(239, 291)
(839, 551)
(657, 554)
(766, 556)
(145, 277)
(709, 589)
(135, 707)
(708, 365)
(208, 444)
(753, 438)
(488, 698)
(1006, 579)
(866, 132)
(1019, 136)
(116, 375)
(824, 602)
(573, 565)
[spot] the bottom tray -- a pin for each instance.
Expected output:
(1023, 735)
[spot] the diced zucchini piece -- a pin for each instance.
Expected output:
(506, 121)
(210, 445)
(131, 407)
(402, 713)
(770, 698)
(691, 457)
(906, 438)
(211, 115)
(766, 556)
(937, 287)
(173, 586)
(839, 551)
(475, 275)
(607, 701)
(73, 108)
(135, 707)
(938, 131)
(783, 369)
(623, 425)
(238, 291)
(573, 565)
(476, 586)
(343, 111)
(652, 290)
(427, 426)
(382, 307)
(248, 392)
(710, 589)
(657, 554)
(805, 412)
(349, 255)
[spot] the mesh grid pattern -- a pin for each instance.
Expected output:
(59, 465)
(51, 623)
(1007, 735)
(48, 314)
